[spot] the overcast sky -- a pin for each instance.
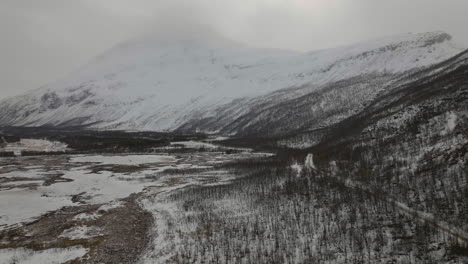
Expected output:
(43, 40)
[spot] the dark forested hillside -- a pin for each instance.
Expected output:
(386, 185)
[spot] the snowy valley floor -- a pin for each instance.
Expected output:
(95, 208)
(209, 206)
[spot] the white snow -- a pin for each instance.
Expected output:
(86, 216)
(194, 144)
(81, 232)
(163, 244)
(22, 205)
(297, 168)
(49, 256)
(219, 138)
(34, 145)
(19, 205)
(124, 160)
(31, 174)
(451, 121)
(309, 162)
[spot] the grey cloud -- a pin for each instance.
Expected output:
(44, 40)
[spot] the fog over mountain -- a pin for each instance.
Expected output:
(163, 81)
(45, 40)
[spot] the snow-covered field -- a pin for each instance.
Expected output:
(49, 256)
(21, 205)
(33, 186)
(34, 145)
(123, 160)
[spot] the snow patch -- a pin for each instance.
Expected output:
(451, 121)
(110, 206)
(309, 162)
(21, 205)
(124, 160)
(30, 174)
(297, 168)
(194, 144)
(81, 232)
(86, 216)
(48, 256)
(35, 145)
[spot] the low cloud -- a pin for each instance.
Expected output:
(44, 40)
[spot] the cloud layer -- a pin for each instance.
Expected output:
(44, 40)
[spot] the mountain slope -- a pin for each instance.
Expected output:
(326, 105)
(159, 83)
(409, 146)
(402, 103)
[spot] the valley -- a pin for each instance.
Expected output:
(96, 204)
(201, 201)
(355, 154)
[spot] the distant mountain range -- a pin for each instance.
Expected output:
(205, 83)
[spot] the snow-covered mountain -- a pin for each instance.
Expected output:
(203, 82)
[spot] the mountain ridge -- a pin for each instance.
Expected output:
(143, 87)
